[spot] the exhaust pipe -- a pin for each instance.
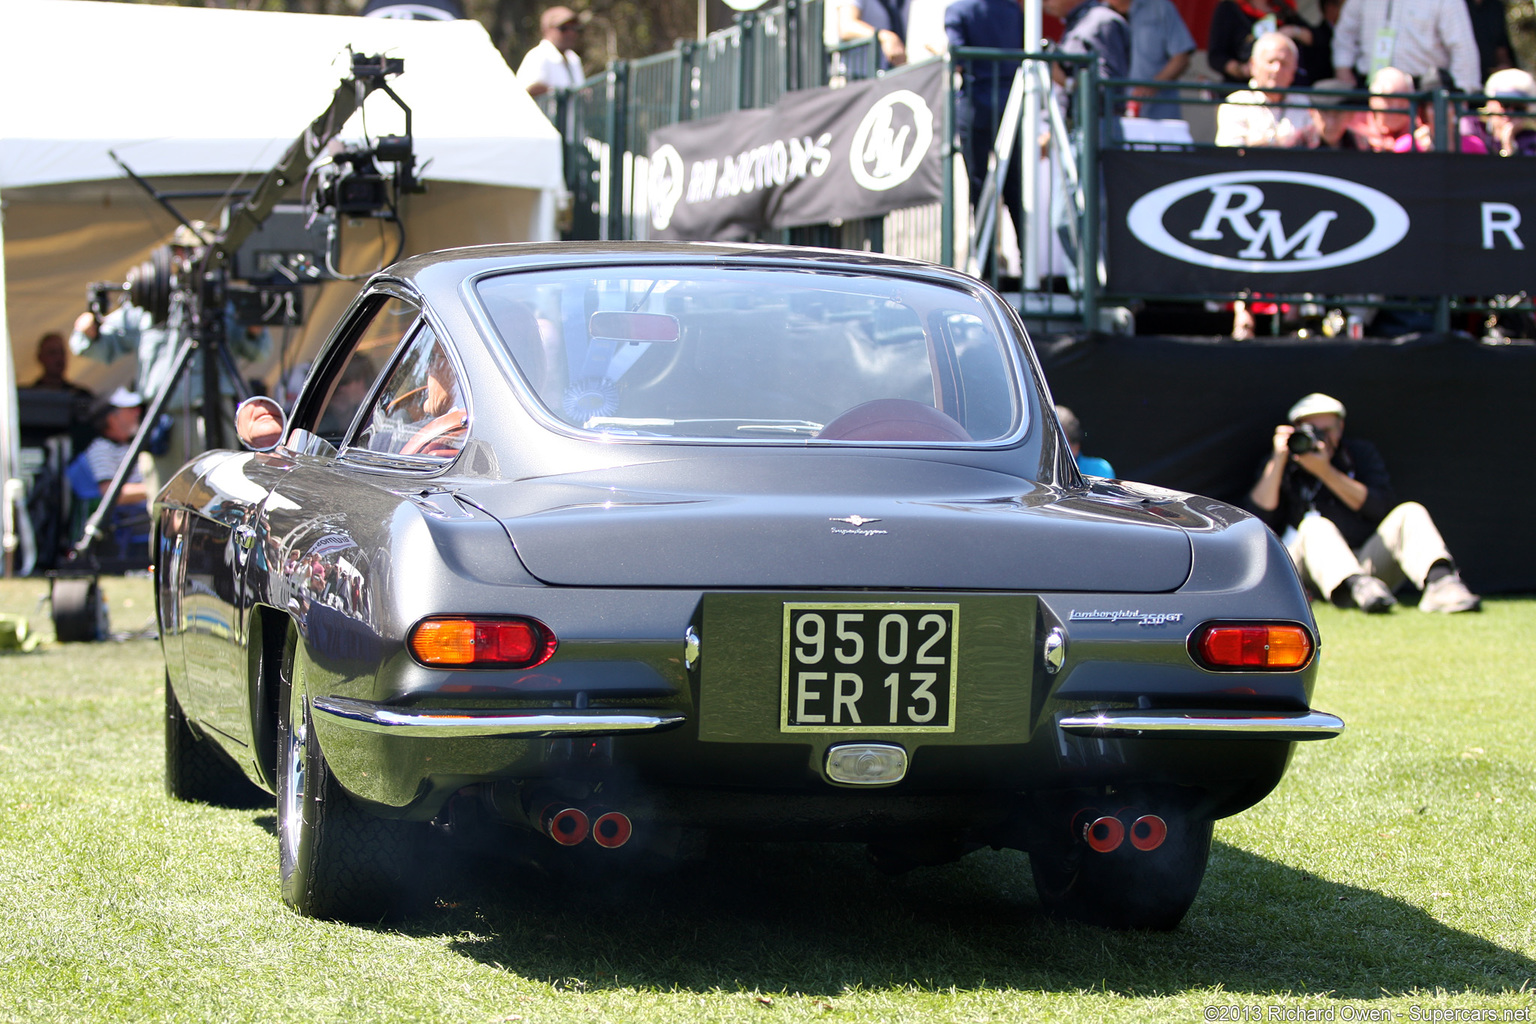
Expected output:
(1102, 832)
(1148, 832)
(563, 823)
(611, 829)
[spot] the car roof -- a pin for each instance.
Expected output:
(446, 269)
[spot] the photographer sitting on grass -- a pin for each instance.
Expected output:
(1333, 499)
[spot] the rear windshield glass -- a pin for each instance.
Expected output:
(759, 354)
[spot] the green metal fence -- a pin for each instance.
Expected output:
(607, 122)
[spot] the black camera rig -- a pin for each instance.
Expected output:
(255, 265)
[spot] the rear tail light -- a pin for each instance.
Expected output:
(1276, 648)
(456, 641)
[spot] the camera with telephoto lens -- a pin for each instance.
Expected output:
(1304, 439)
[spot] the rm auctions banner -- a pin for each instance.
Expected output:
(816, 156)
(1278, 221)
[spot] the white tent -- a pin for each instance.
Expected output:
(206, 99)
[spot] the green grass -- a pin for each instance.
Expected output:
(1393, 869)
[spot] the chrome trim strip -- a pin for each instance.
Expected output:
(368, 716)
(1259, 725)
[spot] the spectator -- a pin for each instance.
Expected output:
(1416, 36)
(1333, 119)
(1508, 113)
(925, 29)
(1238, 25)
(1350, 539)
(1490, 30)
(1391, 112)
(1160, 49)
(54, 359)
(984, 86)
(555, 63)
(1464, 134)
(1263, 114)
(1088, 465)
(1317, 59)
(116, 424)
(886, 20)
(53, 356)
(1098, 27)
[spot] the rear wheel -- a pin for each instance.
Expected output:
(196, 770)
(337, 860)
(1127, 887)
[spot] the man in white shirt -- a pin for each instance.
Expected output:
(1417, 36)
(1261, 115)
(556, 62)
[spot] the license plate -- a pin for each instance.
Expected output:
(870, 668)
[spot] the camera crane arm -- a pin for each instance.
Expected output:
(245, 217)
(368, 73)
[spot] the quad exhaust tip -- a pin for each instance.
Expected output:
(611, 829)
(564, 824)
(1148, 832)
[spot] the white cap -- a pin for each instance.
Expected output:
(122, 398)
(1314, 404)
(1510, 84)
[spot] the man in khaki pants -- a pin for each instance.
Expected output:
(1342, 526)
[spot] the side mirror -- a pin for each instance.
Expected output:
(260, 423)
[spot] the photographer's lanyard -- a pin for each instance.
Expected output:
(1385, 43)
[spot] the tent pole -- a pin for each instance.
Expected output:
(12, 493)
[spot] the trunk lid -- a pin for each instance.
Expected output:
(834, 522)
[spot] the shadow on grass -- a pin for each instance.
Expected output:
(817, 920)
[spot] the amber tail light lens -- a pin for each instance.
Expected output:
(1262, 647)
(454, 641)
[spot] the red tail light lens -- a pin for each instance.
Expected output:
(1273, 647)
(451, 641)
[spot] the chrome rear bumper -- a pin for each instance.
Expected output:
(368, 716)
(1266, 725)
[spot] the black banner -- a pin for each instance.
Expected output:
(818, 155)
(1337, 223)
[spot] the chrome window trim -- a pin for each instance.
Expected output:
(1024, 369)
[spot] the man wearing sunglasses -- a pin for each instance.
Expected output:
(556, 62)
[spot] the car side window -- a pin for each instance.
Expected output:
(420, 409)
(352, 377)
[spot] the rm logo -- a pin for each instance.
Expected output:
(1294, 235)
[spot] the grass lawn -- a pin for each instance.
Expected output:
(1392, 876)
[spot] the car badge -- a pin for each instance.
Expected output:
(860, 525)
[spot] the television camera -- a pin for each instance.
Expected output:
(263, 251)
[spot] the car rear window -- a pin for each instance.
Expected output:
(759, 354)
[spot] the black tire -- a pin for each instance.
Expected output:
(196, 770)
(79, 613)
(1126, 888)
(337, 860)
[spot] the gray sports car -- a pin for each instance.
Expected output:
(624, 547)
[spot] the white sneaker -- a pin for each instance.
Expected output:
(1371, 595)
(1448, 594)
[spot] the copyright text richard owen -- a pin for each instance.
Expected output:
(1255, 1012)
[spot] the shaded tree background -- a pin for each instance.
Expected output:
(615, 29)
